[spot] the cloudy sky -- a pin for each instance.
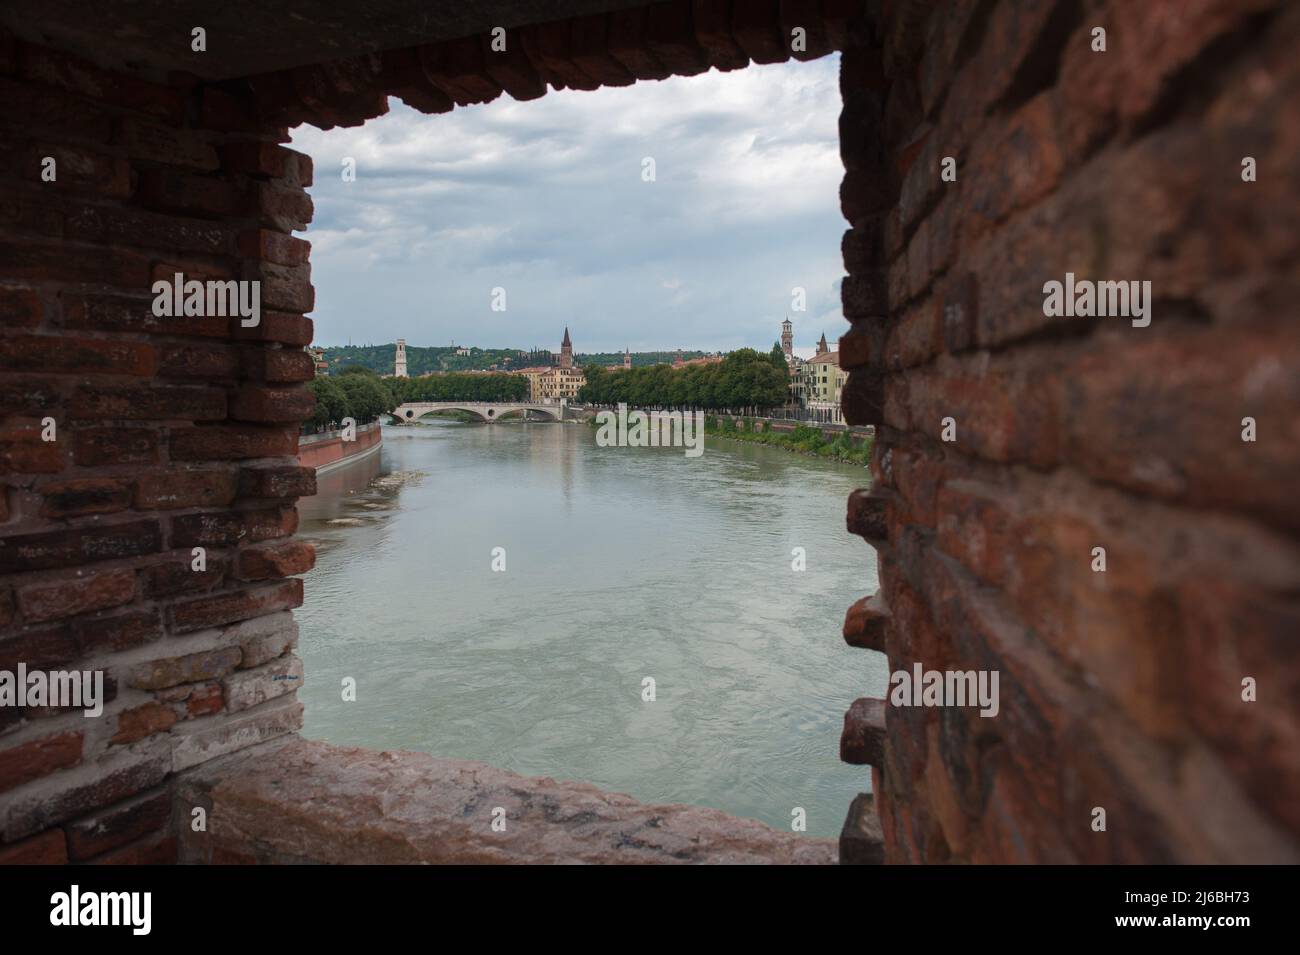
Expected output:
(547, 200)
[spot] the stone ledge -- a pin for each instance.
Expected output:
(297, 801)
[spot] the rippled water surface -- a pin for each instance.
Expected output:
(621, 564)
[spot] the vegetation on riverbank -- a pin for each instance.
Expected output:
(803, 439)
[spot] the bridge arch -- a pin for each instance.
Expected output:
(488, 411)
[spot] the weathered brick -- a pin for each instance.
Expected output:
(283, 559)
(84, 496)
(169, 190)
(220, 442)
(19, 308)
(50, 353)
(263, 244)
(92, 447)
(228, 607)
(184, 487)
(227, 528)
(23, 452)
(252, 403)
(277, 364)
(285, 481)
(141, 721)
(248, 688)
(67, 598)
(189, 668)
(109, 633)
(148, 403)
(48, 848)
(118, 825)
(67, 548)
(28, 761)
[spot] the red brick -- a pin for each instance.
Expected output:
(252, 403)
(154, 850)
(19, 308)
(149, 403)
(65, 548)
(179, 577)
(198, 362)
(277, 327)
(228, 443)
(93, 447)
(277, 364)
(122, 631)
(236, 605)
(670, 35)
(287, 289)
(28, 395)
(167, 190)
(184, 487)
(457, 68)
(285, 210)
(41, 649)
(712, 25)
(50, 353)
(44, 109)
(756, 28)
(274, 247)
(28, 761)
(220, 110)
(81, 170)
(511, 69)
(286, 481)
(67, 598)
(68, 72)
(627, 44)
(23, 452)
(46, 849)
(135, 724)
(262, 159)
(169, 672)
(227, 528)
(282, 559)
(84, 496)
(120, 314)
(118, 825)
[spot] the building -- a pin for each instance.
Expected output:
(318, 360)
(555, 382)
(822, 383)
(787, 338)
(627, 360)
(399, 363)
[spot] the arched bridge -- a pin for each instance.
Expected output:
(487, 410)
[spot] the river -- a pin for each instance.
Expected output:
(621, 564)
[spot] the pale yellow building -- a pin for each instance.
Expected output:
(823, 381)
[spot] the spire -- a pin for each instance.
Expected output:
(567, 342)
(821, 345)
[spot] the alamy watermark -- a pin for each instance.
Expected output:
(1088, 299)
(656, 429)
(213, 298)
(79, 689)
(921, 687)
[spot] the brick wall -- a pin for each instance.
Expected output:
(168, 434)
(1120, 690)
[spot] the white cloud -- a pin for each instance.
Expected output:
(546, 198)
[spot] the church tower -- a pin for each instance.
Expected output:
(627, 359)
(399, 366)
(822, 348)
(787, 338)
(566, 351)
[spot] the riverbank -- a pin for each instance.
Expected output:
(801, 439)
(327, 451)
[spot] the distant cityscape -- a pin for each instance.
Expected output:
(815, 387)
